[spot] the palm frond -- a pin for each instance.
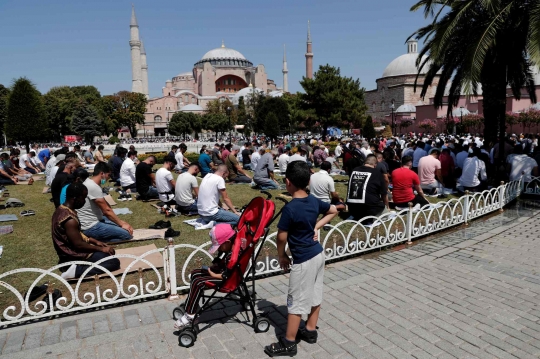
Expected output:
(533, 47)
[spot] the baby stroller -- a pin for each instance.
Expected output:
(253, 225)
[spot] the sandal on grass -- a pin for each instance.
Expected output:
(28, 213)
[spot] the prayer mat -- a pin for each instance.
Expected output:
(119, 211)
(8, 217)
(6, 229)
(156, 259)
(109, 200)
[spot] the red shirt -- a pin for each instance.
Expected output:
(403, 180)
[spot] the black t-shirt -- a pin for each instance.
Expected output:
(364, 195)
(56, 187)
(245, 156)
(142, 177)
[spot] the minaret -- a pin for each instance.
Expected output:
(135, 44)
(285, 71)
(144, 70)
(309, 55)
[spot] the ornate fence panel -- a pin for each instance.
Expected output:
(342, 240)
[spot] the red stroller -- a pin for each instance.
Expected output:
(253, 224)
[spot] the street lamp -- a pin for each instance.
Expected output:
(229, 109)
(392, 107)
(461, 111)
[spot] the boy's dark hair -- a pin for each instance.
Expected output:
(101, 147)
(326, 166)
(174, 147)
(132, 153)
(75, 190)
(298, 174)
(92, 147)
(101, 167)
(182, 146)
(170, 159)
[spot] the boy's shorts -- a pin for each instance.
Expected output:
(306, 285)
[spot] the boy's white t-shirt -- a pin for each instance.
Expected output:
(208, 200)
(183, 191)
(163, 184)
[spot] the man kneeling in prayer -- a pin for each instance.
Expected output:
(71, 244)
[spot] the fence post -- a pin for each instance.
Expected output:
(501, 196)
(172, 270)
(466, 209)
(409, 223)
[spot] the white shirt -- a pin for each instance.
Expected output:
(179, 157)
(183, 191)
(35, 161)
(283, 161)
(472, 168)
(338, 151)
(519, 164)
(127, 172)
(23, 159)
(53, 173)
(297, 157)
(365, 151)
(320, 185)
(163, 184)
(209, 193)
(90, 213)
(255, 157)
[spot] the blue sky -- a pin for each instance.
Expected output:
(77, 42)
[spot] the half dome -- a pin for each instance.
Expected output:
(404, 65)
(406, 108)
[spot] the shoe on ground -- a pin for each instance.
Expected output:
(184, 321)
(282, 348)
(122, 198)
(171, 233)
(309, 336)
(161, 225)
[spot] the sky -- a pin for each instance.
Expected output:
(56, 43)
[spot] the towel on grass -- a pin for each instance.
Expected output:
(198, 223)
(119, 211)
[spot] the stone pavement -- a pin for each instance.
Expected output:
(470, 293)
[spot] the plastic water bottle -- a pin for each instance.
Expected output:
(243, 243)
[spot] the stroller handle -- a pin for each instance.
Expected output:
(268, 194)
(282, 200)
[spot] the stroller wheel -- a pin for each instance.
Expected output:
(186, 338)
(262, 325)
(178, 312)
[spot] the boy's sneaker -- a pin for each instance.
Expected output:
(122, 198)
(282, 348)
(309, 336)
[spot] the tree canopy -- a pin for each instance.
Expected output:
(335, 99)
(25, 112)
(4, 94)
(86, 122)
(369, 130)
(471, 42)
(124, 109)
(181, 123)
(59, 104)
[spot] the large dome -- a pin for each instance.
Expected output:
(224, 57)
(404, 65)
(223, 53)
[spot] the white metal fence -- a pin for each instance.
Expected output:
(342, 240)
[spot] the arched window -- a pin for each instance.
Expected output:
(157, 118)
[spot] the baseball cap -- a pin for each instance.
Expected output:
(61, 157)
(220, 234)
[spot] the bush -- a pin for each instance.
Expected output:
(331, 145)
(113, 140)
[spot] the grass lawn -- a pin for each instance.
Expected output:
(30, 245)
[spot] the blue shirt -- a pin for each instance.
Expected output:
(44, 154)
(298, 219)
(204, 163)
(63, 194)
(417, 155)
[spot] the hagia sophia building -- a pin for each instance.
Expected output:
(221, 73)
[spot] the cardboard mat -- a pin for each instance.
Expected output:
(144, 234)
(156, 259)
(109, 200)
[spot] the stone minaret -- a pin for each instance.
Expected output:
(144, 69)
(135, 44)
(285, 72)
(309, 55)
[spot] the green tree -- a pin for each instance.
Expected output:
(25, 114)
(336, 100)
(369, 130)
(271, 126)
(299, 115)
(89, 94)
(489, 42)
(107, 109)
(181, 124)
(128, 110)
(4, 94)
(59, 104)
(271, 105)
(86, 122)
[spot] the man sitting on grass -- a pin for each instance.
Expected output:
(210, 190)
(97, 218)
(71, 244)
(187, 189)
(146, 179)
(404, 180)
(25, 163)
(264, 173)
(20, 175)
(165, 182)
(236, 173)
(127, 172)
(322, 186)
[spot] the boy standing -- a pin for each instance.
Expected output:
(307, 272)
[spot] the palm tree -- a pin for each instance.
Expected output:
(491, 43)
